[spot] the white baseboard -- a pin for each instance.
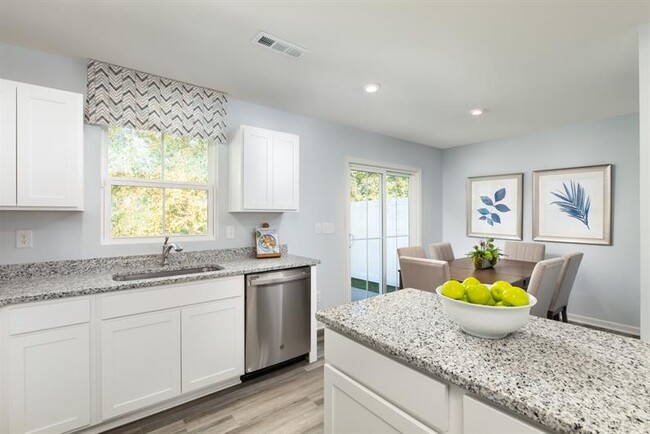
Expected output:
(604, 324)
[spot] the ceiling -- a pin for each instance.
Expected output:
(533, 65)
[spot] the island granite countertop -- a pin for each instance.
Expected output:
(567, 378)
(22, 283)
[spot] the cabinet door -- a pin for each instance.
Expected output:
(258, 168)
(50, 147)
(49, 384)
(7, 143)
(141, 361)
(213, 343)
(285, 171)
(352, 408)
(481, 418)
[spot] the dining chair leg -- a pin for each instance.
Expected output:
(564, 315)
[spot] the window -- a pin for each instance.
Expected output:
(157, 184)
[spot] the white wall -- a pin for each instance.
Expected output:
(323, 148)
(607, 287)
(644, 181)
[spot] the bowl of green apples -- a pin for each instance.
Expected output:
(486, 311)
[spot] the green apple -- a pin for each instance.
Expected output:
(515, 296)
(478, 294)
(497, 289)
(471, 281)
(453, 289)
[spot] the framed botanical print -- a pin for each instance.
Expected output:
(573, 205)
(494, 206)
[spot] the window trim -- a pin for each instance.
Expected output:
(106, 182)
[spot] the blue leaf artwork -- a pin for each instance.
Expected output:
(492, 217)
(499, 195)
(573, 201)
(486, 200)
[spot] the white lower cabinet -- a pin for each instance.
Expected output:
(212, 343)
(352, 408)
(91, 362)
(49, 380)
(141, 361)
(479, 418)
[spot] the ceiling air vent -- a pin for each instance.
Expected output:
(279, 45)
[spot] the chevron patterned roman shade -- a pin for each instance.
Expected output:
(119, 96)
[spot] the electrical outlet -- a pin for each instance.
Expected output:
(24, 239)
(230, 232)
(317, 228)
(328, 228)
(317, 296)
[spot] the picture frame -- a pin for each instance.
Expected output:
(266, 243)
(495, 206)
(573, 205)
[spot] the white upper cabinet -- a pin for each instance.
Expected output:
(41, 147)
(7, 143)
(264, 171)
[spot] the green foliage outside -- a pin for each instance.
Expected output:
(137, 211)
(364, 186)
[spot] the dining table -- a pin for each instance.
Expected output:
(517, 273)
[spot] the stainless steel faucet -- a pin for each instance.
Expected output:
(166, 248)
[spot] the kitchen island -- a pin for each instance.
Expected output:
(398, 360)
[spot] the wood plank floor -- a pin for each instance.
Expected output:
(286, 401)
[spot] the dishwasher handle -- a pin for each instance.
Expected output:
(259, 280)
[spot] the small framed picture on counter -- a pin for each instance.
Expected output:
(266, 243)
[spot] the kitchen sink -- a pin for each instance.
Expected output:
(165, 273)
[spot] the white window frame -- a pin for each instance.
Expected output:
(107, 182)
(415, 206)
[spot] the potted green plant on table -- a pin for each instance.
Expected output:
(485, 254)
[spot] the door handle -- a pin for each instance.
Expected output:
(351, 241)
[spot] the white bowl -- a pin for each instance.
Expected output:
(488, 322)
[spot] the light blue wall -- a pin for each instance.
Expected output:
(323, 149)
(607, 287)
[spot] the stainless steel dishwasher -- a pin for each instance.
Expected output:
(277, 317)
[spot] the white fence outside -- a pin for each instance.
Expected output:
(365, 222)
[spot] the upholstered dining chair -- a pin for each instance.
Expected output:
(529, 252)
(560, 299)
(542, 284)
(411, 251)
(424, 274)
(441, 252)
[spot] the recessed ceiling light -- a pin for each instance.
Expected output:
(476, 112)
(371, 87)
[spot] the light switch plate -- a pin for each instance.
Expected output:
(328, 228)
(230, 232)
(317, 228)
(24, 239)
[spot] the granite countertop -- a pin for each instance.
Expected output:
(570, 379)
(50, 280)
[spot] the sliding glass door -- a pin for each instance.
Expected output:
(379, 220)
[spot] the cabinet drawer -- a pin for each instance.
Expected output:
(48, 315)
(480, 418)
(353, 409)
(425, 398)
(170, 296)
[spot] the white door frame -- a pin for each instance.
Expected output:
(415, 210)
